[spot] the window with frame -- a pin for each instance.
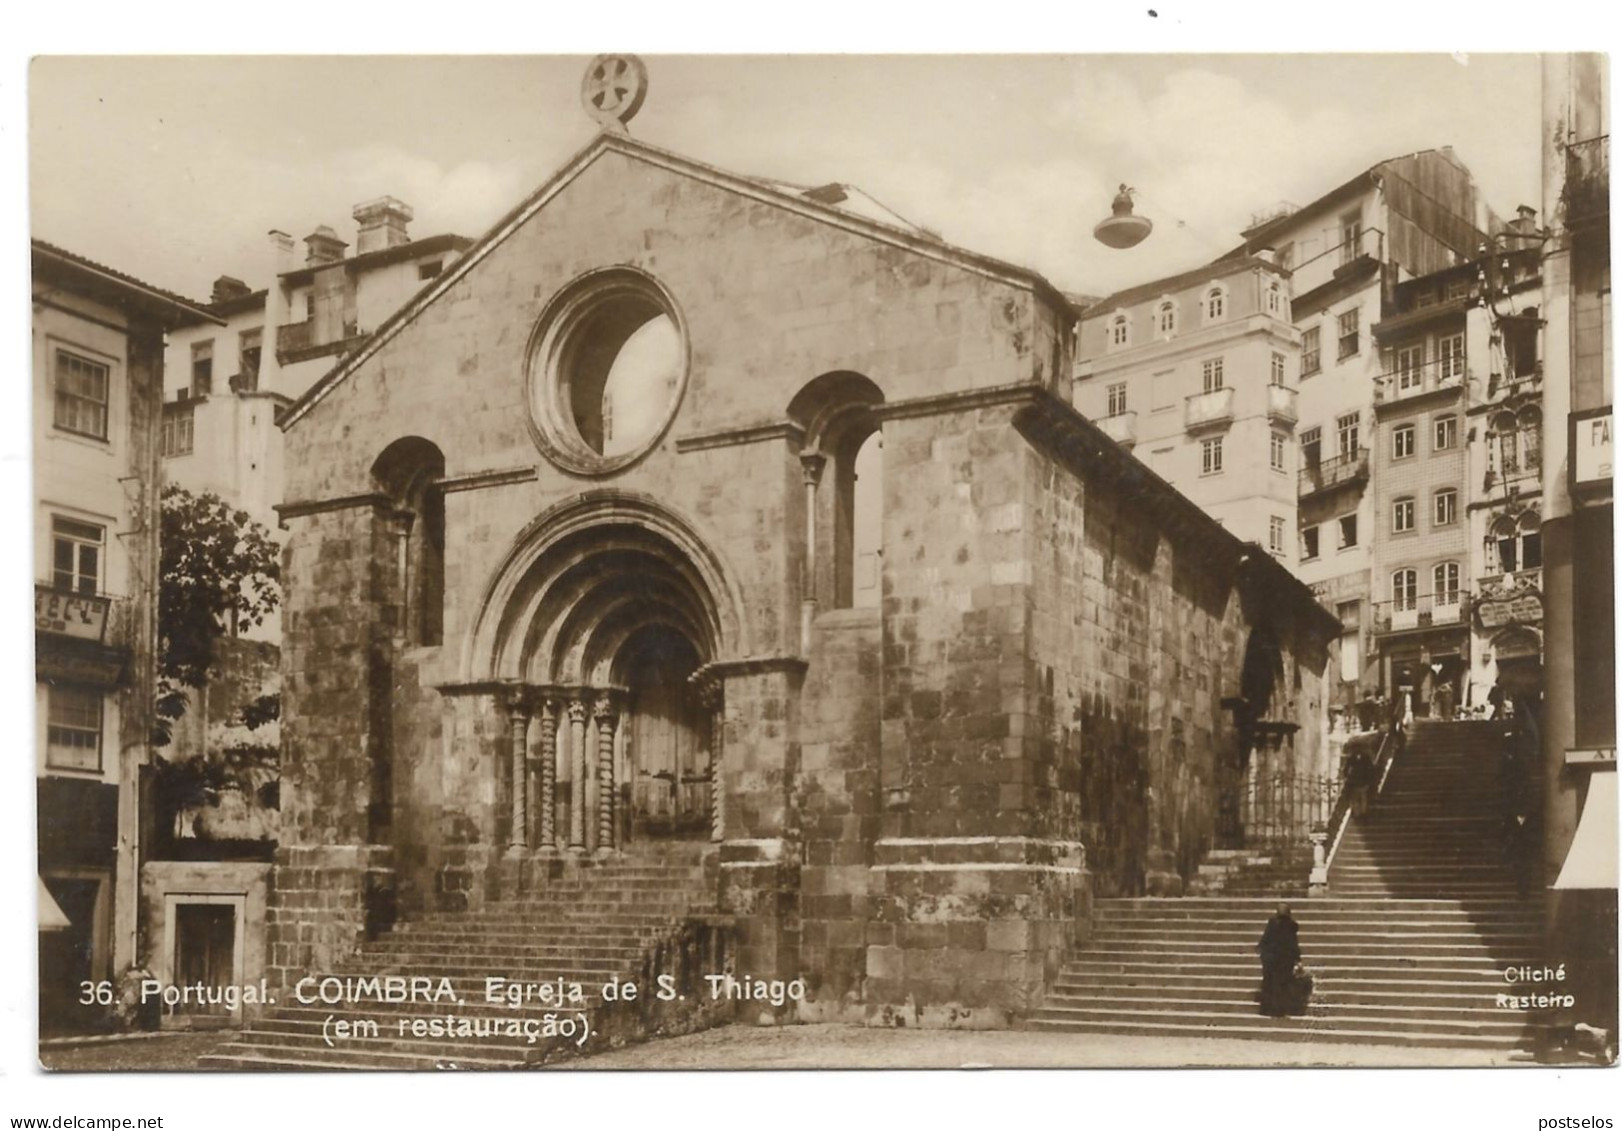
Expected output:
(1275, 298)
(1117, 331)
(1117, 399)
(1216, 304)
(1211, 374)
(81, 395)
(1346, 432)
(1347, 329)
(202, 368)
(175, 435)
(1309, 543)
(1450, 358)
(1405, 589)
(1310, 355)
(1402, 516)
(1409, 367)
(1348, 531)
(1211, 456)
(1445, 583)
(1166, 317)
(430, 269)
(73, 728)
(1312, 446)
(248, 349)
(1402, 441)
(1276, 370)
(1424, 297)
(1275, 451)
(1351, 236)
(1275, 534)
(1444, 433)
(1445, 507)
(76, 555)
(1457, 289)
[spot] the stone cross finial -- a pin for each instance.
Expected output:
(613, 89)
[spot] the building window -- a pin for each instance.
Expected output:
(1347, 326)
(1275, 451)
(1402, 441)
(1275, 534)
(1531, 429)
(1311, 446)
(1216, 304)
(1117, 331)
(1410, 368)
(1446, 509)
(1445, 583)
(1520, 542)
(76, 555)
(73, 728)
(202, 368)
(1450, 359)
(1276, 372)
(1346, 433)
(178, 421)
(1351, 236)
(1405, 589)
(1309, 543)
(1425, 297)
(1402, 516)
(1310, 355)
(81, 395)
(1446, 433)
(1117, 399)
(1211, 374)
(1211, 456)
(431, 269)
(1275, 299)
(248, 345)
(1348, 532)
(1457, 289)
(1166, 317)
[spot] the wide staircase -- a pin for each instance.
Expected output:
(1408, 947)
(629, 918)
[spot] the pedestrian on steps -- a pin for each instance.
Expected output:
(1280, 950)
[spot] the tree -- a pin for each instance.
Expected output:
(220, 574)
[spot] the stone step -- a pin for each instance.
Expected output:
(250, 1055)
(1337, 1010)
(1510, 1029)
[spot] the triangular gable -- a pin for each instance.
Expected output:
(913, 240)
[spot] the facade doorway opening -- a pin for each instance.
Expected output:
(666, 746)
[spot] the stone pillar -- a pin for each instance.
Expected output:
(710, 697)
(577, 774)
(548, 775)
(606, 712)
(518, 709)
(811, 465)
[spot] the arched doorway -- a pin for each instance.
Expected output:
(666, 749)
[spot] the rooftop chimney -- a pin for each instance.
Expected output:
(382, 224)
(227, 288)
(323, 246)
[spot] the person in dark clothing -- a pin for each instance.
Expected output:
(1520, 848)
(1280, 950)
(1359, 777)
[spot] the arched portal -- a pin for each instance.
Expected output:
(666, 749)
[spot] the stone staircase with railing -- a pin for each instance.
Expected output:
(1409, 946)
(629, 919)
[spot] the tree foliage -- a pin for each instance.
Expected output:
(220, 574)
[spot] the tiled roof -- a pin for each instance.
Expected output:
(184, 308)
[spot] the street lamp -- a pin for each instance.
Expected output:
(1122, 229)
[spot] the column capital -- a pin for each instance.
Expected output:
(577, 709)
(606, 706)
(811, 464)
(517, 700)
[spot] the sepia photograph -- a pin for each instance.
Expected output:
(673, 561)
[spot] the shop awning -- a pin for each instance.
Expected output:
(51, 917)
(1591, 860)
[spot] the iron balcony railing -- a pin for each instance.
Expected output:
(1430, 611)
(1121, 427)
(1203, 410)
(1413, 380)
(1324, 474)
(1587, 192)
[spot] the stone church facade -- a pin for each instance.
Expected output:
(538, 616)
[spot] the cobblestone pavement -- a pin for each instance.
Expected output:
(842, 1046)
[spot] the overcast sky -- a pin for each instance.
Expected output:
(174, 168)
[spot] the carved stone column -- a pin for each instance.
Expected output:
(709, 695)
(548, 774)
(577, 774)
(606, 713)
(518, 708)
(811, 465)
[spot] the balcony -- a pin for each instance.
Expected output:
(1587, 191)
(1417, 380)
(1445, 611)
(82, 638)
(1527, 382)
(1208, 410)
(1326, 474)
(1281, 405)
(1122, 428)
(1341, 259)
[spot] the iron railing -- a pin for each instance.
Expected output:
(1282, 810)
(1430, 611)
(1324, 474)
(1411, 381)
(1392, 738)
